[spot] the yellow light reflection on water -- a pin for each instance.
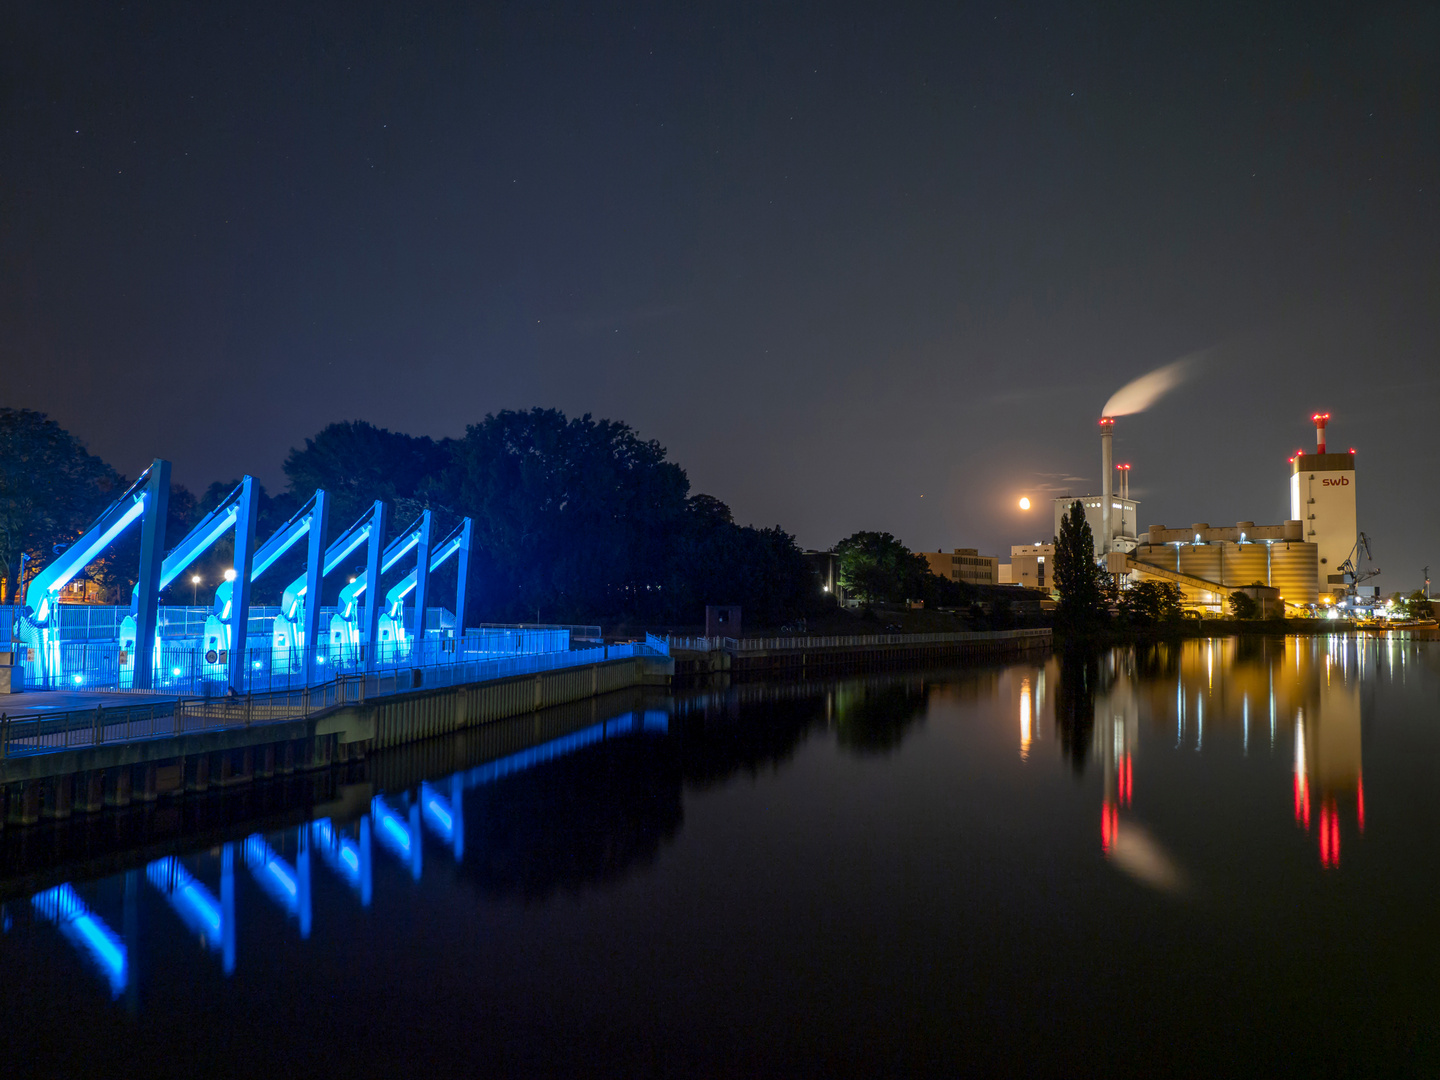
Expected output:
(1025, 719)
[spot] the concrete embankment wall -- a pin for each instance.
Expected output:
(53, 786)
(795, 657)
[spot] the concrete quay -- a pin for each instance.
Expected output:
(796, 656)
(53, 785)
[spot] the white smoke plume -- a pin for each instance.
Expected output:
(1139, 394)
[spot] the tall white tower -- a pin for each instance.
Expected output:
(1322, 497)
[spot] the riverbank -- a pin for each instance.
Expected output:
(1188, 629)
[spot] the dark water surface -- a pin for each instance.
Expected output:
(1211, 859)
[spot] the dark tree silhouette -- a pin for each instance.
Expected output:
(50, 489)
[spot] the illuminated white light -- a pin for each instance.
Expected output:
(1024, 503)
(230, 574)
(175, 671)
(76, 680)
(195, 579)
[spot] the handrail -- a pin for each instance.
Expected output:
(810, 641)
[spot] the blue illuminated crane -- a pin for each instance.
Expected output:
(392, 620)
(298, 622)
(345, 632)
(237, 510)
(309, 521)
(38, 622)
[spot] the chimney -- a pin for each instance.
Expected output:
(1320, 418)
(1107, 467)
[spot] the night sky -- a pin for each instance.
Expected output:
(835, 257)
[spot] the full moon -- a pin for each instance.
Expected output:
(1024, 503)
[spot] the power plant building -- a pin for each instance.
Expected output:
(1209, 563)
(1301, 559)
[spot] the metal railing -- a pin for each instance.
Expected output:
(46, 732)
(184, 666)
(577, 631)
(700, 644)
(859, 642)
(814, 641)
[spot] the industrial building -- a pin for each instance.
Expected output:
(1209, 563)
(1111, 515)
(1322, 496)
(1301, 559)
(1031, 566)
(965, 565)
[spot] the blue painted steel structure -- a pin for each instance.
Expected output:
(154, 651)
(295, 632)
(37, 625)
(455, 545)
(237, 510)
(309, 521)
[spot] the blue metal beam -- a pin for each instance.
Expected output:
(152, 550)
(462, 575)
(211, 527)
(247, 509)
(313, 573)
(422, 579)
(371, 626)
(301, 523)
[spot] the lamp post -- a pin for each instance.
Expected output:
(194, 589)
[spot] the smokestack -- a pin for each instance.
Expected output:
(1320, 419)
(1124, 481)
(1107, 468)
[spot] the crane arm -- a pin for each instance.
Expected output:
(212, 526)
(286, 537)
(396, 550)
(444, 551)
(45, 586)
(337, 552)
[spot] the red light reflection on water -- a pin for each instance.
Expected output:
(1109, 825)
(1329, 835)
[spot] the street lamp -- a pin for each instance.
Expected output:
(194, 589)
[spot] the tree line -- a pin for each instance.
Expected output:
(576, 519)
